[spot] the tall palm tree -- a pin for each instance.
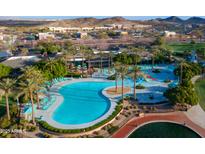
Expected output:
(101, 61)
(83, 50)
(155, 53)
(27, 88)
(110, 57)
(89, 55)
(123, 70)
(116, 66)
(135, 73)
(7, 85)
(38, 79)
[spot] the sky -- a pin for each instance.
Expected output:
(99, 17)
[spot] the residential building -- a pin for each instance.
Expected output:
(44, 36)
(169, 34)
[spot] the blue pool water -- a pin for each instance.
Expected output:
(83, 102)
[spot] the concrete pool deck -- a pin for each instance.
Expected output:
(47, 114)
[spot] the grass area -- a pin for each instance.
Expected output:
(181, 47)
(163, 130)
(200, 89)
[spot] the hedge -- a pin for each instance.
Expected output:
(45, 125)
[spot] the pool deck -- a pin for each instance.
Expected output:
(175, 117)
(47, 114)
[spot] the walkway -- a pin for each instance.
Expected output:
(176, 117)
(197, 115)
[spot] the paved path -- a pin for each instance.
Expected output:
(176, 117)
(197, 115)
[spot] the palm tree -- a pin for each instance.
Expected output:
(27, 89)
(155, 53)
(101, 61)
(123, 70)
(110, 57)
(89, 55)
(116, 66)
(134, 75)
(38, 79)
(7, 85)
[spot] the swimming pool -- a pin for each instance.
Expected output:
(83, 102)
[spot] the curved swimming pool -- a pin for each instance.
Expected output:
(83, 103)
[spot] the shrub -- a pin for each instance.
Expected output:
(140, 87)
(4, 123)
(46, 135)
(189, 70)
(156, 71)
(182, 94)
(112, 77)
(167, 80)
(4, 70)
(112, 129)
(74, 75)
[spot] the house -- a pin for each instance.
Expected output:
(169, 34)
(44, 36)
(81, 34)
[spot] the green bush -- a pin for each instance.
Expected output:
(189, 70)
(45, 125)
(112, 77)
(74, 75)
(182, 94)
(5, 70)
(52, 68)
(167, 80)
(140, 87)
(4, 122)
(112, 129)
(156, 71)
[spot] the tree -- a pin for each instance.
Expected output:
(199, 34)
(123, 70)
(27, 88)
(49, 47)
(89, 54)
(187, 70)
(5, 70)
(155, 54)
(116, 66)
(159, 41)
(37, 77)
(135, 73)
(52, 68)
(182, 94)
(7, 85)
(24, 51)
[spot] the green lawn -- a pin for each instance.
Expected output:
(200, 89)
(181, 47)
(163, 130)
